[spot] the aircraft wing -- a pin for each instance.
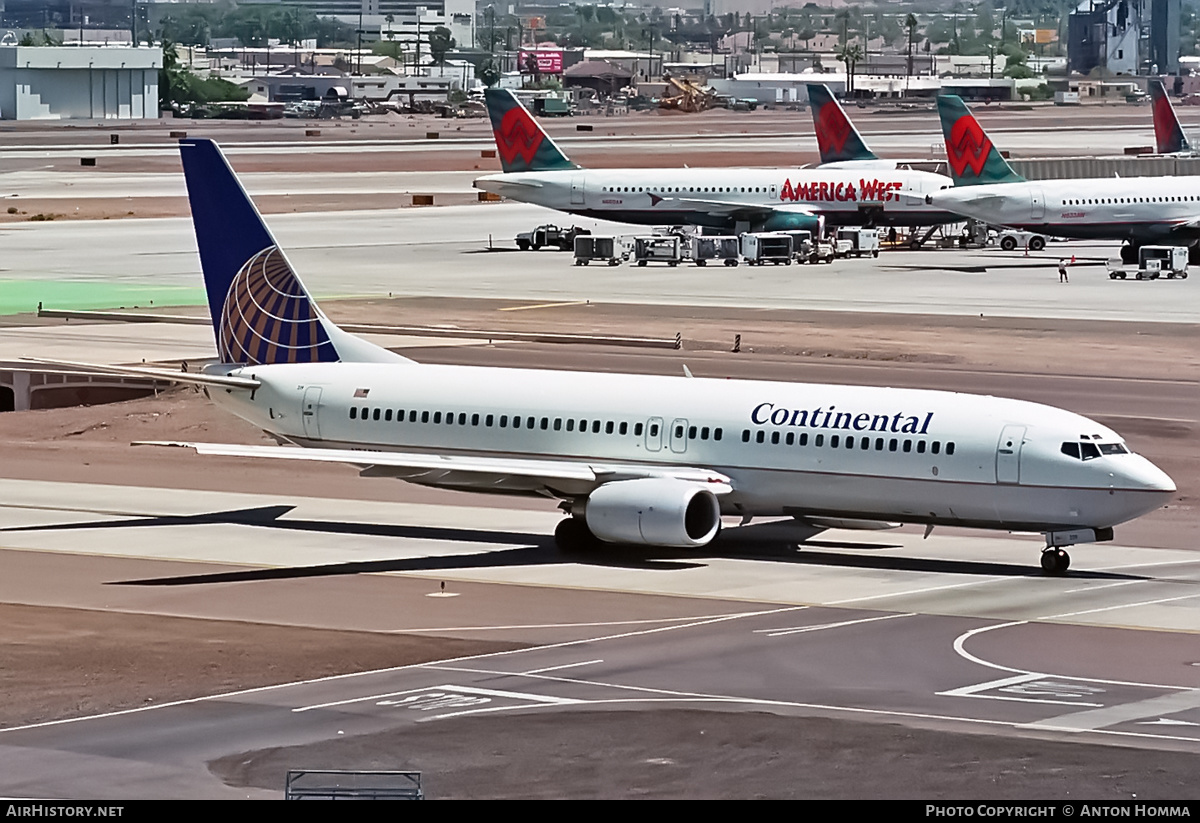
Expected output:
(731, 208)
(483, 473)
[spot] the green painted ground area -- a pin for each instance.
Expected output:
(17, 296)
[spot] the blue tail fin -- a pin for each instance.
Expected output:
(522, 144)
(837, 139)
(261, 313)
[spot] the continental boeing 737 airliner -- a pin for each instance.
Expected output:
(726, 199)
(647, 460)
(1138, 210)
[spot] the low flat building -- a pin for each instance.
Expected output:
(79, 82)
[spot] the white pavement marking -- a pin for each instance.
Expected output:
(1122, 713)
(564, 666)
(974, 691)
(823, 626)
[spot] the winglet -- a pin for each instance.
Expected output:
(520, 141)
(261, 313)
(837, 139)
(973, 160)
(1168, 133)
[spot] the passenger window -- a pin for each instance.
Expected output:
(892, 444)
(878, 444)
(936, 447)
(803, 438)
(545, 423)
(595, 427)
(504, 421)
(489, 420)
(820, 440)
(907, 446)
(745, 435)
(654, 430)
(531, 422)
(387, 416)
(865, 444)
(462, 418)
(775, 438)
(475, 420)
(570, 424)
(717, 434)
(920, 447)
(759, 437)
(679, 432)
(437, 417)
(558, 424)
(691, 433)
(834, 441)
(624, 429)
(949, 448)
(608, 427)
(637, 429)
(354, 412)
(790, 439)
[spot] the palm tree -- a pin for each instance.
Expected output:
(850, 54)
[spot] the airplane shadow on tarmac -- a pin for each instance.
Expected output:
(765, 541)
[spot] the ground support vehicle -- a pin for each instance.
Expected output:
(550, 235)
(717, 248)
(658, 249)
(1011, 240)
(1154, 262)
(857, 242)
(760, 248)
(601, 249)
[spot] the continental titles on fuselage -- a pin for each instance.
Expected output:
(822, 418)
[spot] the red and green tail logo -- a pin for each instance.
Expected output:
(1168, 134)
(520, 141)
(837, 138)
(972, 157)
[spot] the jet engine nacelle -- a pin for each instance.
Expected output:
(654, 512)
(781, 220)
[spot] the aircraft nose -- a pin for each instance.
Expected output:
(1139, 473)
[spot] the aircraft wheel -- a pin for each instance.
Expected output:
(572, 535)
(1055, 561)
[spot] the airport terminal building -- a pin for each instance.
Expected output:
(72, 82)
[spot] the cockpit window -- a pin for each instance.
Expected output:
(1087, 450)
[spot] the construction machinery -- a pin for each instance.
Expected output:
(685, 95)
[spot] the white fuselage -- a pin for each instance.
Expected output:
(788, 449)
(1134, 208)
(708, 197)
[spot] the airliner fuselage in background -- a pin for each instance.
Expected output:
(725, 199)
(1138, 210)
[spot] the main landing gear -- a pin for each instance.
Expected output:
(572, 535)
(1055, 561)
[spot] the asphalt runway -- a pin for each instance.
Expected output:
(956, 633)
(444, 252)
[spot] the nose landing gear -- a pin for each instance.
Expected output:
(1055, 561)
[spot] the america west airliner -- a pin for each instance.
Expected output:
(725, 199)
(634, 459)
(1138, 210)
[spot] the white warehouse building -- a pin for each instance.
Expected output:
(78, 82)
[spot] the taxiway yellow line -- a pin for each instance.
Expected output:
(546, 305)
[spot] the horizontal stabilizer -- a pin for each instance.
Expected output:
(166, 375)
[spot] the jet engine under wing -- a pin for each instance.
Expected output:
(481, 473)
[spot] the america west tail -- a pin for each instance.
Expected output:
(972, 157)
(1168, 132)
(837, 139)
(261, 312)
(520, 141)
